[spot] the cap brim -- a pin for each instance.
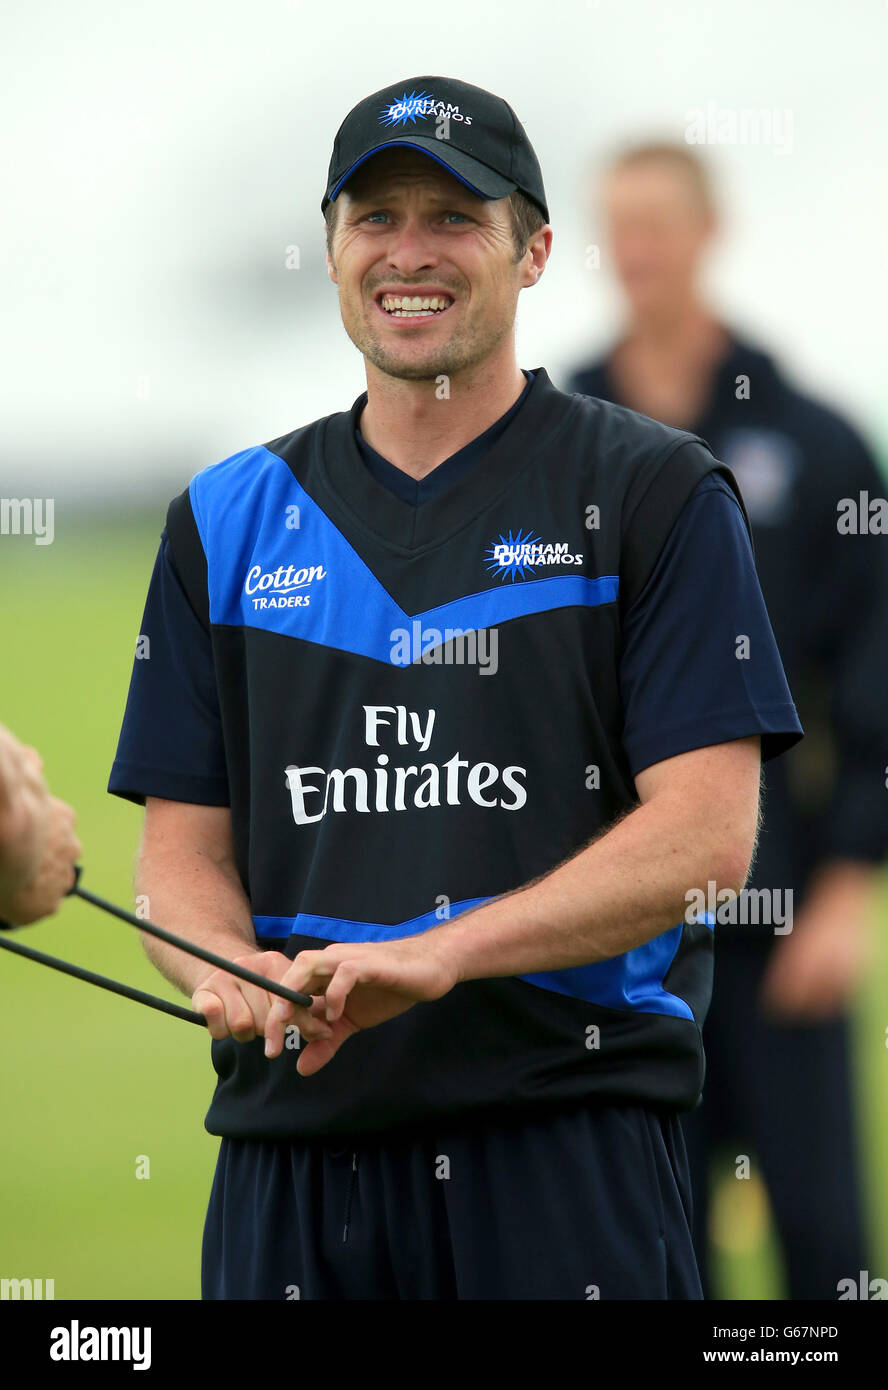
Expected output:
(477, 177)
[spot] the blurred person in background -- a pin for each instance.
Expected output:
(38, 846)
(777, 1037)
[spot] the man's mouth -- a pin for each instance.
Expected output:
(414, 306)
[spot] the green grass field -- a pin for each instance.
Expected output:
(91, 1083)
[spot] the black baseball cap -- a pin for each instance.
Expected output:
(481, 140)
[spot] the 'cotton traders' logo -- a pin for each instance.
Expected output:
(280, 588)
(407, 109)
(514, 557)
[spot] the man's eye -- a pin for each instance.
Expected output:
(461, 215)
(370, 216)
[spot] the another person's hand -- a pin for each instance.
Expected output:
(815, 970)
(38, 846)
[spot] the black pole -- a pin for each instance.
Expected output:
(304, 1001)
(102, 981)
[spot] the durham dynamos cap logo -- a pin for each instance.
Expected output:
(405, 109)
(512, 557)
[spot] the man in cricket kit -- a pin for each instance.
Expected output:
(454, 716)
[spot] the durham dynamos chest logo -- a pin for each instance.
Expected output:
(513, 557)
(281, 588)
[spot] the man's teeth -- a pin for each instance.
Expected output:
(406, 306)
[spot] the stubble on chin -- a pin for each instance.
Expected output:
(464, 350)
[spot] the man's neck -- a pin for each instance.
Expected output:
(415, 426)
(664, 366)
(689, 329)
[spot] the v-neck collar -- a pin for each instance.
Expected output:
(407, 528)
(419, 491)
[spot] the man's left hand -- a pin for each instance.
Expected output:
(363, 983)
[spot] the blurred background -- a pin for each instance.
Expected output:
(166, 303)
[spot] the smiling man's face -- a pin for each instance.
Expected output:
(427, 276)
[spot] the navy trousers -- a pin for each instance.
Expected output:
(581, 1203)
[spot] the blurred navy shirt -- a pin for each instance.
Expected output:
(827, 596)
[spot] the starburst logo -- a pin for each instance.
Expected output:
(511, 557)
(407, 108)
(514, 557)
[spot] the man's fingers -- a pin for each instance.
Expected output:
(295, 977)
(276, 967)
(310, 1022)
(315, 971)
(312, 1058)
(310, 1029)
(309, 973)
(239, 1015)
(282, 1012)
(229, 1013)
(205, 1002)
(237, 1009)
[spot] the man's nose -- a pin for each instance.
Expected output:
(411, 248)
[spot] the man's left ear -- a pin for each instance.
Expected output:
(331, 269)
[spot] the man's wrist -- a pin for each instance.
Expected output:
(460, 943)
(188, 972)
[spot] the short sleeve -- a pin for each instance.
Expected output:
(171, 742)
(699, 664)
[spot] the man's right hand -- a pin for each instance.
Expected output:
(38, 846)
(233, 1008)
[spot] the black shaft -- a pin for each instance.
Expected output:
(304, 1001)
(103, 982)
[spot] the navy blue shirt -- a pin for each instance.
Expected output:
(678, 673)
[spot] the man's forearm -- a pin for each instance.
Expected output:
(619, 892)
(199, 898)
